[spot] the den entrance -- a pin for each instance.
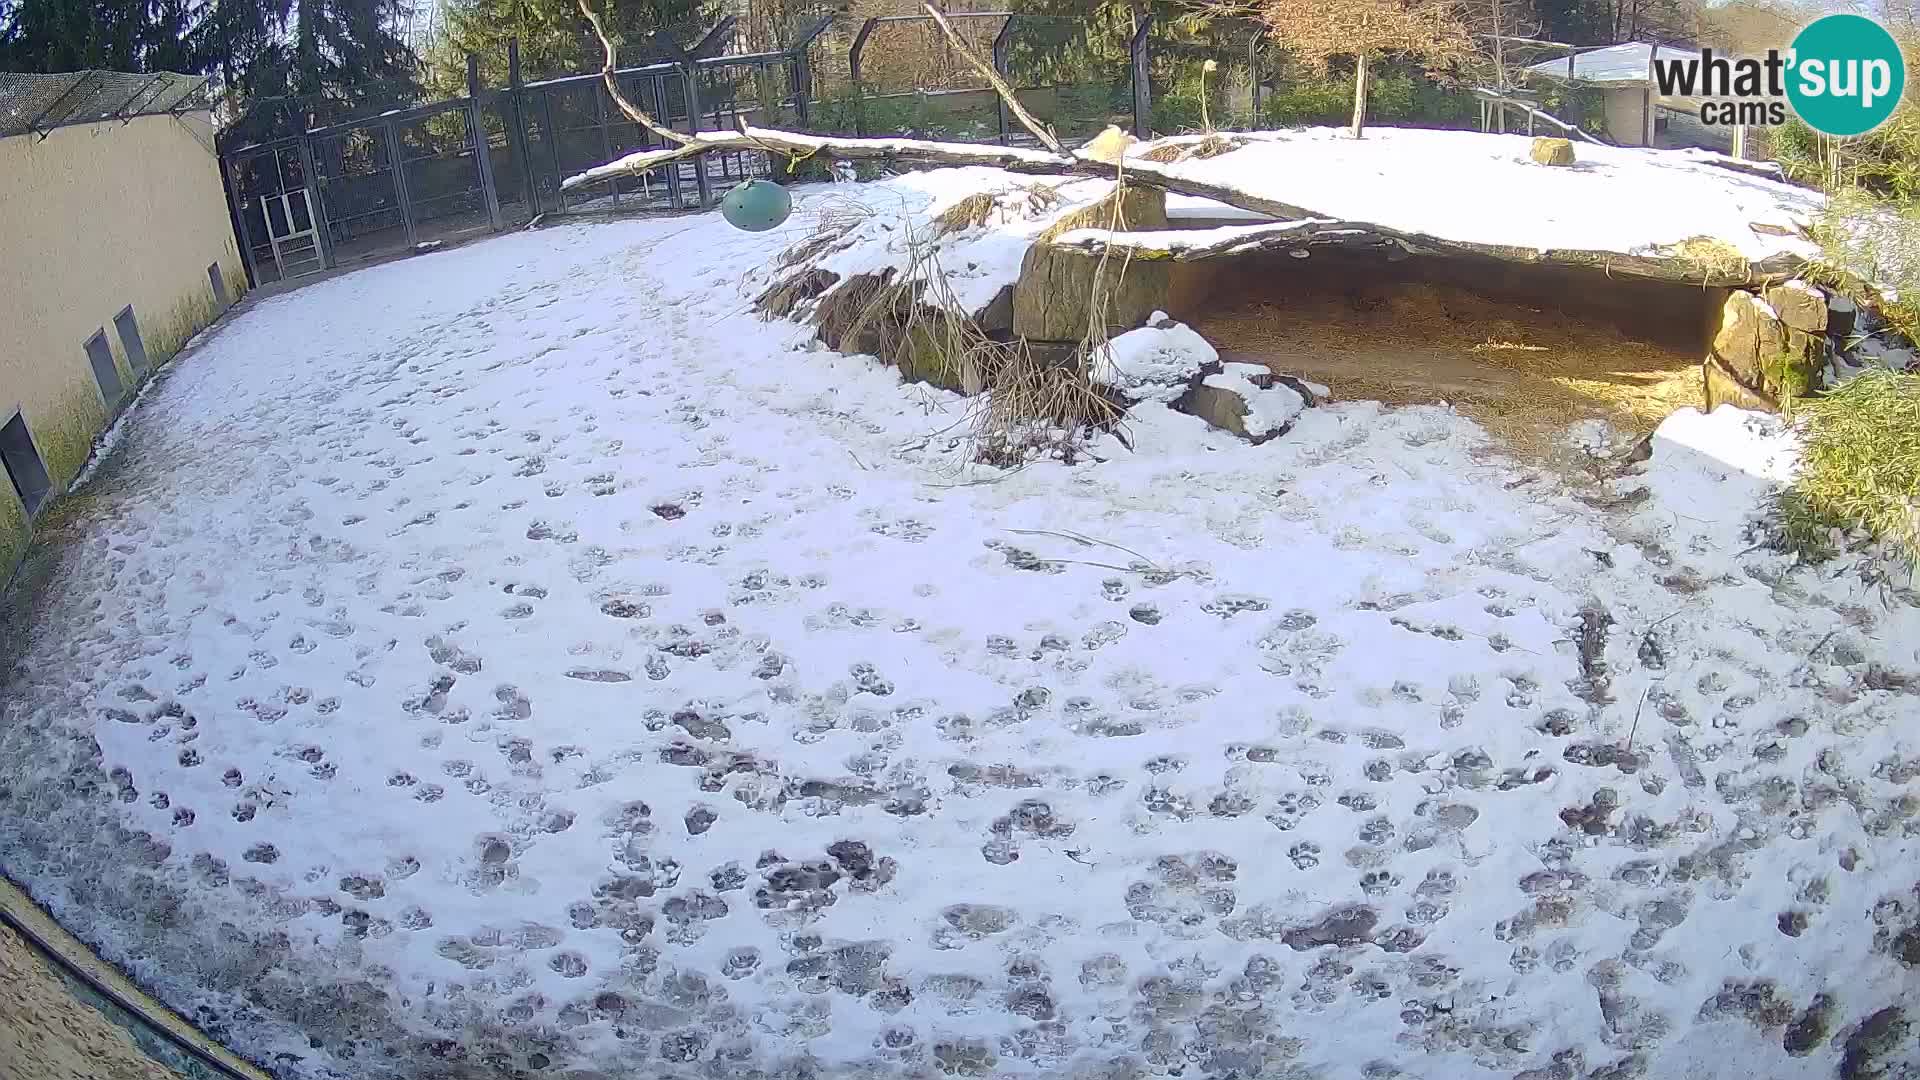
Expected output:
(1524, 349)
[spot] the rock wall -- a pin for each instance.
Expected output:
(1788, 341)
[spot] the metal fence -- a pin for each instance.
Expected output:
(38, 104)
(369, 186)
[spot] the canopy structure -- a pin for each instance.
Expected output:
(1636, 112)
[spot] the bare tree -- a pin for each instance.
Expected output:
(1432, 31)
(1500, 25)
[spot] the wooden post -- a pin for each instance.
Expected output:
(1360, 97)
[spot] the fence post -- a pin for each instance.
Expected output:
(1142, 87)
(316, 205)
(553, 147)
(606, 136)
(234, 202)
(853, 75)
(673, 168)
(397, 153)
(690, 72)
(1002, 45)
(800, 69)
(518, 118)
(800, 77)
(482, 143)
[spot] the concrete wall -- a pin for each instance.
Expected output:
(93, 218)
(1626, 112)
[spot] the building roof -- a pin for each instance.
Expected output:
(1625, 64)
(43, 102)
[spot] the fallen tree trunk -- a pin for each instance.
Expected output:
(1305, 234)
(795, 144)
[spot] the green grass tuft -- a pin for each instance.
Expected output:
(1861, 466)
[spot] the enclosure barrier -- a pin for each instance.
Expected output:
(416, 175)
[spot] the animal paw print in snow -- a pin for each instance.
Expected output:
(1290, 807)
(867, 680)
(1378, 882)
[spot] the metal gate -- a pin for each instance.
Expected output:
(402, 180)
(290, 229)
(274, 207)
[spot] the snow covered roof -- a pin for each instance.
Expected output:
(1627, 63)
(1479, 189)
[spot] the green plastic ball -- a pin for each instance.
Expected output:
(756, 206)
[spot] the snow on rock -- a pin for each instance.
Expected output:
(1156, 362)
(886, 224)
(1165, 361)
(1267, 407)
(1224, 238)
(1479, 188)
(543, 666)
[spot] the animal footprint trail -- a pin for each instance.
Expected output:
(681, 720)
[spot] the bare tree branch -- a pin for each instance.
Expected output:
(797, 144)
(634, 112)
(1040, 131)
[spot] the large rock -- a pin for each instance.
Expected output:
(1549, 151)
(1244, 399)
(929, 353)
(1053, 297)
(1842, 314)
(1800, 306)
(1763, 353)
(996, 319)
(1722, 388)
(1141, 209)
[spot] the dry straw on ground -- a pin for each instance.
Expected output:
(1524, 379)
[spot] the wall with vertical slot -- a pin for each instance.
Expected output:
(93, 218)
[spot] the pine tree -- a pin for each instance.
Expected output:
(71, 35)
(554, 39)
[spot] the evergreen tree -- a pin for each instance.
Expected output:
(554, 39)
(345, 51)
(70, 35)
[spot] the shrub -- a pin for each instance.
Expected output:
(1884, 162)
(1393, 97)
(1860, 467)
(1864, 238)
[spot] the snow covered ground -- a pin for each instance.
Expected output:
(1475, 188)
(519, 660)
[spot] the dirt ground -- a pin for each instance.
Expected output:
(53, 1027)
(46, 1034)
(1523, 373)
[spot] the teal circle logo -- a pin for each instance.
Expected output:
(1847, 75)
